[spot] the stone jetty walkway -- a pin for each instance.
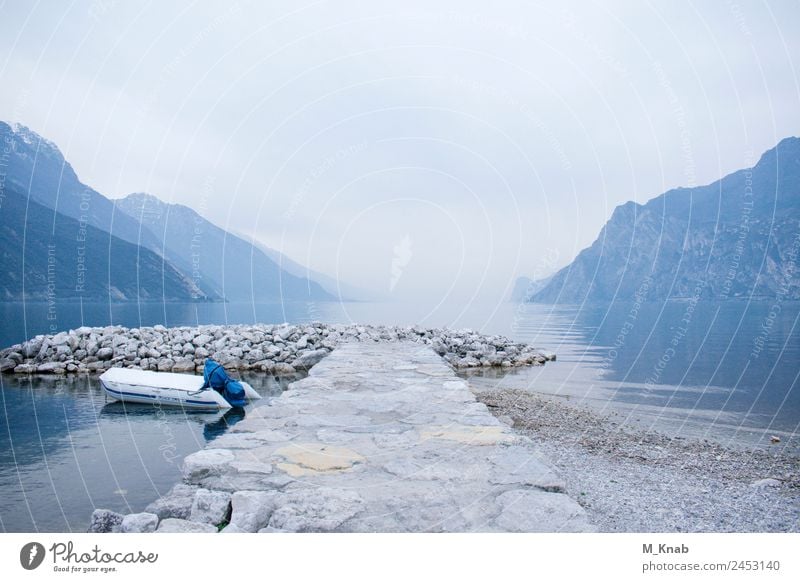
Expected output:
(381, 437)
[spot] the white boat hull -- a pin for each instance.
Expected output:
(165, 389)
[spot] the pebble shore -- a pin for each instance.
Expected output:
(276, 349)
(633, 480)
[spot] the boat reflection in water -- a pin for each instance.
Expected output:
(218, 427)
(214, 424)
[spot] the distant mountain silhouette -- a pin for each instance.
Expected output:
(736, 238)
(525, 288)
(234, 268)
(338, 289)
(172, 252)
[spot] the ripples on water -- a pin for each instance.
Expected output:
(723, 370)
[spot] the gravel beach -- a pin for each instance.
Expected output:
(633, 480)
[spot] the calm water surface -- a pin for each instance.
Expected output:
(727, 371)
(65, 450)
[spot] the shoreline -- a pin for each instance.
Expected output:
(277, 349)
(634, 480)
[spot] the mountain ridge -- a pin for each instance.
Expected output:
(48, 256)
(236, 269)
(728, 239)
(40, 169)
(36, 169)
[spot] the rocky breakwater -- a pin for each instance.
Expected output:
(277, 349)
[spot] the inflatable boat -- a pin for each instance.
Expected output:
(211, 391)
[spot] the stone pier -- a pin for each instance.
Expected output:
(381, 437)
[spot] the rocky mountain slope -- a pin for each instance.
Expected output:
(37, 167)
(48, 256)
(174, 248)
(234, 268)
(736, 238)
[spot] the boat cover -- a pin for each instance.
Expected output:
(217, 378)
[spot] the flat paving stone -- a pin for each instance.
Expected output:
(383, 437)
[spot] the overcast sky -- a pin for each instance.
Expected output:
(427, 150)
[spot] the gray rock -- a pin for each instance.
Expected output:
(105, 521)
(210, 506)
(31, 347)
(139, 523)
(251, 510)
(165, 365)
(205, 463)
(516, 465)
(105, 353)
(44, 351)
(231, 528)
(177, 503)
(51, 368)
(7, 365)
(282, 368)
(322, 509)
(469, 362)
(172, 525)
(92, 348)
(183, 366)
(202, 340)
(763, 483)
(531, 510)
(309, 359)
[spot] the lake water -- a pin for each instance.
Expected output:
(727, 371)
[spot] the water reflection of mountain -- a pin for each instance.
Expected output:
(40, 412)
(729, 356)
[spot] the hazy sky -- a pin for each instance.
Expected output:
(431, 150)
